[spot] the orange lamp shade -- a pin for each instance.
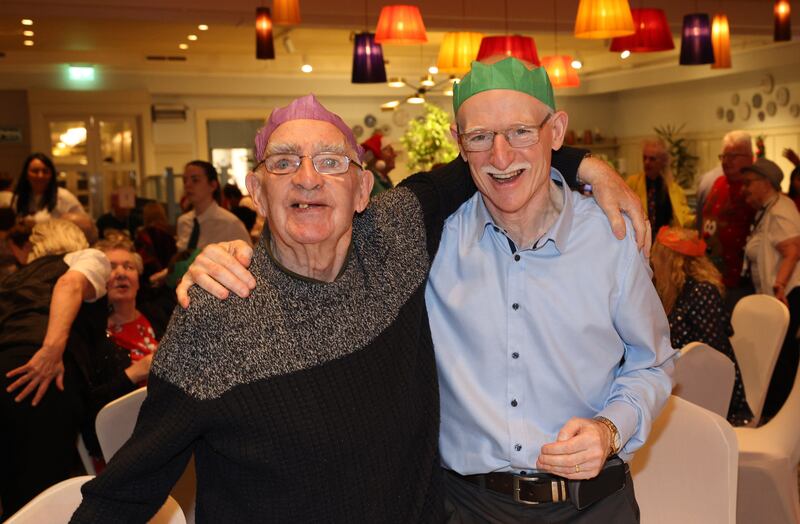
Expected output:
(400, 25)
(457, 52)
(559, 69)
(286, 12)
(783, 21)
(721, 40)
(604, 19)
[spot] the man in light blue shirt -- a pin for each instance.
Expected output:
(552, 346)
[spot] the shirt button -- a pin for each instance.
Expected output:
(514, 403)
(515, 355)
(515, 306)
(516, 258)
(518, 447)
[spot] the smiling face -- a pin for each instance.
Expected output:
(756, 189)
(305, 207)
(39, 176)
(734, 158)
(509, 178)
(124, 282)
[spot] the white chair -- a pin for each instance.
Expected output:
(705, 377)
(115, 422)
(759, 327)
(114, 426)
(686, 471)
(86, 458)
(56, 504)
(768, 458)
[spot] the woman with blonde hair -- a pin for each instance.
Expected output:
(691, 289)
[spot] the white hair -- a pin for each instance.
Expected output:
(738, 138)
(56, 237)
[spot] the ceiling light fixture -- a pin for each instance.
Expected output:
(783, 21)
(26, 21)
(427, 81)
(458, 51)
(28, 43)
(27, 33)
(368, 65)
(192, 37)
(696, 47)
(390, 106)
(603, 19)
(400, 25)
(518, 46)
(183, 46)
(286, 12)
(433, 70)
(202, 27)
(265, 48)
(625, 54)
(396, 81)
(417, 98)
(558, 67)
(721, 41)
(652, 33)
(306, 68)
(576, 64)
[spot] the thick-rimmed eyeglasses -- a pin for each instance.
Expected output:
(517, 136)
(324, 163)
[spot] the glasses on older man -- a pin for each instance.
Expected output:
(324, 163)
(731, 156)
(516, 136)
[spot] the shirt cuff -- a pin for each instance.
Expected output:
(623, 416)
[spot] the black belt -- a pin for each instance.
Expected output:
(526, 489)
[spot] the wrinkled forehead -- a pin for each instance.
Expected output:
(307, 137)
(500, 108)
(736, 148)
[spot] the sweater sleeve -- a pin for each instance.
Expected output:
(566, 160)
(140, 476)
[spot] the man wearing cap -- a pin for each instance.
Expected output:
(771, 255)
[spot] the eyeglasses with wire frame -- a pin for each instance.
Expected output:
(516, 136)
(324, 163)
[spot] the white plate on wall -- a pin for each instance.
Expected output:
(782, 96)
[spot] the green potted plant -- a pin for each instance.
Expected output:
(684, 164)
(428, 140)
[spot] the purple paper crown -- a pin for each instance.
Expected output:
(304, 108)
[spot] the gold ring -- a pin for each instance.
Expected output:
(577, 468)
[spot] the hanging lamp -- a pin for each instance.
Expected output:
(518, 46)
(696, 46)
(457, 52)
(652, 33)
(559, 69)
(603, 19)
(368, 65)
(400, 25)
(783, 21)
(286, 12)
(265, 48)
(721, 41)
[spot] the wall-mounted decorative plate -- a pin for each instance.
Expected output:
(761, 116)
(400, 118)
(721, 113)
(794, 109)
(767, 83)
(370, 120)
(744, 111)
(735, 99)
(757, 100)
(730, 115)
(782, 96)
(772, 108)
(385, 129)
(358, 131)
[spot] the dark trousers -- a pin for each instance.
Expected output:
(466, 503)
(786, 366)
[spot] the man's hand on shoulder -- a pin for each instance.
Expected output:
(218, 269)
(580, 450)
(615, 197)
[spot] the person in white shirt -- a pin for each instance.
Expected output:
(207, 222)
(37, 197)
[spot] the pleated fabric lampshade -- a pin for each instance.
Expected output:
(400, 25)
(721, 40)
(783, 21)
(603, 19)
(696, 46)
(368, 65)
(559, 69)
(518, 46)
(457, 52)
(652, 33)
(265, 48)
(286, 12)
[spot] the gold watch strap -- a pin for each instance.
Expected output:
(614, 445)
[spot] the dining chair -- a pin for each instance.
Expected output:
(686, 471)
(759, 327)
(705, 377)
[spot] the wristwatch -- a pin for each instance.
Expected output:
(615, 443)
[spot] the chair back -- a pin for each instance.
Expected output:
(782, 431)
(759, 327)
(687, 470)
(115, 422)
(56, 504)
(705, 377)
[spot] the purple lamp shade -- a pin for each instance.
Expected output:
(696, 45)
(368, 66)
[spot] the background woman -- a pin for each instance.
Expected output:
(691, 288)
(37, 195)
(772, 252)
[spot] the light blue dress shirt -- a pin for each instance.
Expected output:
(571, 327)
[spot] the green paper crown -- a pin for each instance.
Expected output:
(509, 73)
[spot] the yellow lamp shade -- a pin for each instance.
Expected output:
(721, 40)
(604, 19)
(286, 12)
(559, 69)
(400, 25)
(457, 52)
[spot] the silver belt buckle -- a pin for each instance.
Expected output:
(516, 481)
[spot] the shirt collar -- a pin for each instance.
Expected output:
(558, 232)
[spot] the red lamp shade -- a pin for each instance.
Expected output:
(265, 49)
(522, 47)
(783, 21)
(400, 25)
(286, 12)
(721, 40)
(652, 33)
(457, 52)
(603, 19)
(559, 69)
